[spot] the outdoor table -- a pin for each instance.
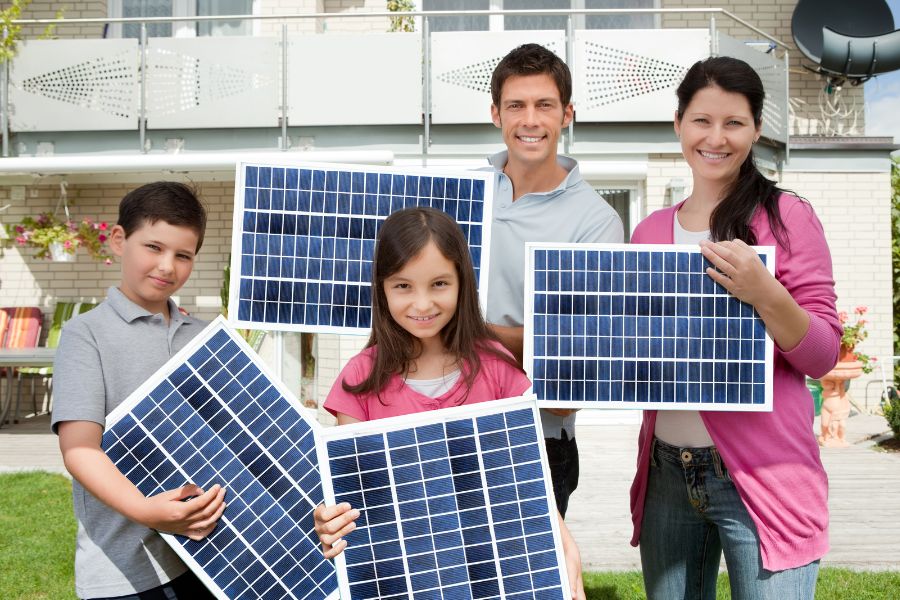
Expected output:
(20, 357)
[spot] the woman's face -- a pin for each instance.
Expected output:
(716, 132)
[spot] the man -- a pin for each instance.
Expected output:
(540, 197)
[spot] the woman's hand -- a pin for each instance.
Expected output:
(573, 561)
(332, 524)
(739, 270)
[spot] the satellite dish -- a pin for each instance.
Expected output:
(847, 40)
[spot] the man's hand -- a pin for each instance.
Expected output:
(332, 524)
(196, 518)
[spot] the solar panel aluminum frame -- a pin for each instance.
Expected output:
(179, 359)
(468, 411)
(769, 254)
(234, 318)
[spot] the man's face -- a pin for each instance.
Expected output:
(531, 117)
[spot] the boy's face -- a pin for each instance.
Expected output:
(157, 260)
(531, 117)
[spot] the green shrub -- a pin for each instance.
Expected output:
(891, 406)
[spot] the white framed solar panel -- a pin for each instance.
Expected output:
(641, 326)
(304, 238)
(214, 414)
(454, 503)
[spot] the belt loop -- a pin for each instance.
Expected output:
(653, 453)
(717, 463)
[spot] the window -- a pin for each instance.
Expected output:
(543, 22)
(462, 23)
(181, 8)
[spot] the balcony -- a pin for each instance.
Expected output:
(416, 94)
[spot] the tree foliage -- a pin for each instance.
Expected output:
(895, 256)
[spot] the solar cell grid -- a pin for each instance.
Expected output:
(213, 415)
(641, 326)
(454, 504)
(304, 238)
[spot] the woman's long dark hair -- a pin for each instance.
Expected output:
(731, 218)
(402, 237)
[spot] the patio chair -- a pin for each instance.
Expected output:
(61, 314)
(23, 331)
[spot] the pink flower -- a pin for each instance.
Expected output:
(103, 226)
(102, 238)
(67, 244)
(20, 229)
(108, 261)
(861, 310)
(21, 240)
(843, 316)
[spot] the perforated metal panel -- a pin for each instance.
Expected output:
(211, 81)
(631, 75)
(462, 64)
(74, 85)
(369, 79)
(771, 70)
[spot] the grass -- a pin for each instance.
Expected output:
(37, 541)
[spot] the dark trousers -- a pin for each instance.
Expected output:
(562, 456)
(183, 587)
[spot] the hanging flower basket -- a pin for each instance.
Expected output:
(59, 240)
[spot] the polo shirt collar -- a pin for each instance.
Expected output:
(129, 311)
(498, 162)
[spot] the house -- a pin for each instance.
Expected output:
(101, 112)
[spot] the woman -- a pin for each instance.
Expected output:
(748, 484)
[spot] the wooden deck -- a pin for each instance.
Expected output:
(864, 497)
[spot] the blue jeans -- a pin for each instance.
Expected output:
(562, 458)
(692, 513)
(186, 586)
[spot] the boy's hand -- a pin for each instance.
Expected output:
(573, 561)
(196, 518)
(332, 524)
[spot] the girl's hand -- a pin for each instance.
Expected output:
(195, 518)
(332, 524)
(739, 270)
(573, 561)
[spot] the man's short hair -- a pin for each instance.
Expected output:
(169, 201)
(532, 59)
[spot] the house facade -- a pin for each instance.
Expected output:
(99, 111)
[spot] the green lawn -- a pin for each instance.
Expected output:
(37, 533)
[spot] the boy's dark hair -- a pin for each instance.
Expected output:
(175, 203)
(731, 218)
(532, 59)
(401, 238)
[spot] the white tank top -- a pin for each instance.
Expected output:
(434, 388)
(683, 428)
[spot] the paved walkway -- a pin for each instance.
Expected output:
(864, 497)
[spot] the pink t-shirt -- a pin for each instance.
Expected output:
(495, 380)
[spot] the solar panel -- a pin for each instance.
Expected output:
(455, 503)
(304, 238)
(212, 414)
(641, 326)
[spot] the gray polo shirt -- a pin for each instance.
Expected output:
(572, 212)
(103, 356)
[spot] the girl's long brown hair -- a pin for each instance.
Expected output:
(402, 237)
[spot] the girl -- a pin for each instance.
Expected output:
(429, 348)
(750, 484)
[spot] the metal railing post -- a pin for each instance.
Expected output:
(426, 90)
(787, 108)
(570, 60)
(713, 39)
(284, 75)
(4, 100)
(142, 112)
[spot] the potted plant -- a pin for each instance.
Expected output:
(855, 334)
(58, 240)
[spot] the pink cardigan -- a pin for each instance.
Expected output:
(773, 458)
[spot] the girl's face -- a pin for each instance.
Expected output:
(717, 132)
(422, 296)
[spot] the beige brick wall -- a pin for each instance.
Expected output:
(357, 24)
(46, 9)
(806, 88)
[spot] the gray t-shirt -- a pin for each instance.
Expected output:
(103, 356)
(571, 213)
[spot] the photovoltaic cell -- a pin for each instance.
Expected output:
(213, 415)
(641, 326)
(455, 503)
(304, 238)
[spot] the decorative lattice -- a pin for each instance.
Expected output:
(478, 76)
(614, 75)
(103, 84)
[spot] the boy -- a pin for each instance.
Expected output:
(540, 197)
(103, 356)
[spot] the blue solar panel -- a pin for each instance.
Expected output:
(641, 326)
(455, 503)
(304, 238)
(212, 415)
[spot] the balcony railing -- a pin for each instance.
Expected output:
(337, 79)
